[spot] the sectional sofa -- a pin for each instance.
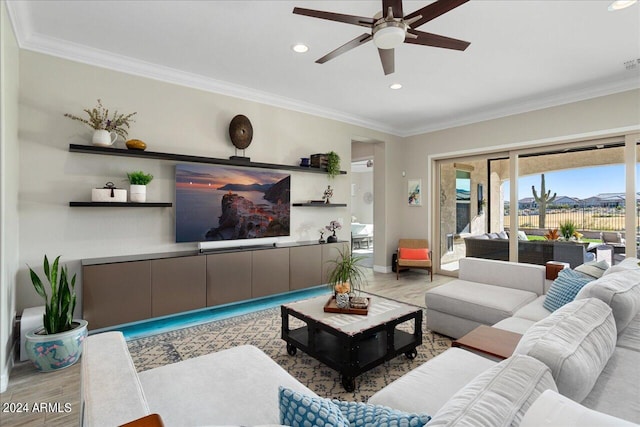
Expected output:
(583, 352)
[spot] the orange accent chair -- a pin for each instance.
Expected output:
(413, 253)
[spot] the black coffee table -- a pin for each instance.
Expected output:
(350, 343)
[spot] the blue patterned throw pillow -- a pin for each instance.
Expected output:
(366, 415)
(300, 410)
(564, 289)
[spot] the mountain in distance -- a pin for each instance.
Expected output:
(246, 187)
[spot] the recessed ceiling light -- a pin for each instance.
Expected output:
(300, 48)
(621, 4)
(395, 86)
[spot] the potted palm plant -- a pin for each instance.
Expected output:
(346, 276)
(58, 344)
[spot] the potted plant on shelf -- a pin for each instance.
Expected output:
(346, 276)
(333, 164)
(106, 129)
(58, 344)
(138, 185)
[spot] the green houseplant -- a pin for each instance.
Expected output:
(345, 269)
(58, 344)
(568, 229)
(333, 164)
(138, 187)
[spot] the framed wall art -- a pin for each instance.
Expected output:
(414, 190)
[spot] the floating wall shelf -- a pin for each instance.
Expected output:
(320, 205)
(122, 204)
(92, 149)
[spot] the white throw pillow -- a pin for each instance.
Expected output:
(500, 396)
(575, 342)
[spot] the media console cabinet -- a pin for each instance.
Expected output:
(118, 290)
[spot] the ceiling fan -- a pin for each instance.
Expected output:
(392, 29)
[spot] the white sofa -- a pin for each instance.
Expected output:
(600, 369)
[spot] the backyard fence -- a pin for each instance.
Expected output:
(585, 218)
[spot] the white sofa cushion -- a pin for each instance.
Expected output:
(426, 388)
(500, 396)
(617, 390)
(575, 341)
(552, 409)
(515, 324)
(525, 277)
(534, 310)
(621, 291)
(237, 386)
(111, 391)
(486, 304)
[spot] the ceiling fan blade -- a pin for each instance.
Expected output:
(360, 40)
(429, 39)
(395, 5)
(434, 10)
(339, 17)
(387, 58)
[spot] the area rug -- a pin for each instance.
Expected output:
(262, 329)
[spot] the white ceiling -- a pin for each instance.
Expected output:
(524, 55)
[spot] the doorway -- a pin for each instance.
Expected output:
(362, 201)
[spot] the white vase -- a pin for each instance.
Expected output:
(103, 138)
(138, 193)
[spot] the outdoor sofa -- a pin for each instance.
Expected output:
(492, 246)
(240, 386)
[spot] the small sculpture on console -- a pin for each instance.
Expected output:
(321, 236)
(328, 194)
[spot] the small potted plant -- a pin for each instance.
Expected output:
(346, 275)
(138, 185)
(333, 164)
(568, 230)
(333, 226)
(106, 129)
(58, 344)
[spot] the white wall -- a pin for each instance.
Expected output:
(170, 118)
(9, 248)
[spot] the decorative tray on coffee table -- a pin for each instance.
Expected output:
(331, 307)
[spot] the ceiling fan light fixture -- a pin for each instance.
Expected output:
(621, 4)
(389, 37)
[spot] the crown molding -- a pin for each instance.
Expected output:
(577, 94)
(28, 39)
(103, 59)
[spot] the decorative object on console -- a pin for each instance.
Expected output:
(109, 193)
(241, 133)
(138, 189)
(414, 188)
(59, 343)
(136, 144)
(333, 226)
(321, 240)
(304, 162)
(106, 130)
(328, 194)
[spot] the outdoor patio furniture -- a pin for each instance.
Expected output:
(361, 235)
(529, 251)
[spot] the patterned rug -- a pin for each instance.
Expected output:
(262, 329)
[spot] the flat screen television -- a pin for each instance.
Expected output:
(215, 203)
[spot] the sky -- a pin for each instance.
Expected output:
(580, 183)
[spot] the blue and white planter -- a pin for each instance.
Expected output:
(57, 351)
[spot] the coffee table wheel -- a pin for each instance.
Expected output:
(349, 383)
(411, 354)
(291, 349)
